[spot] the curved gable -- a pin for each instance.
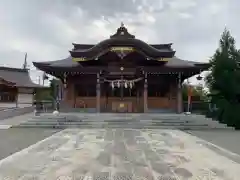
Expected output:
(122, 39)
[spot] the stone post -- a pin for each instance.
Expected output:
(145, 95)
(179, 95)
(98, 94)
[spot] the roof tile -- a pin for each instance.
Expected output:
(20, 77)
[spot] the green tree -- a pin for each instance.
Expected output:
(199, 98)
(198, 92)
(53, 88)
(224, 80)
(202, 93)
(42, 94)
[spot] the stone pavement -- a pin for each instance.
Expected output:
(14, 140)
(224, 139)
(120, 154)
(8, 123)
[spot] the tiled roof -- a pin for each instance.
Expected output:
(176, 62)
(20, 77)
(122, 38)
(68, 62)
(157, 46)
(104, 45)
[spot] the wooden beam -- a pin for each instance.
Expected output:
(6, 83)
(164, 69)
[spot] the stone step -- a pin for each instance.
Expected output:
(125, 122)
(108, 120)
(116, 121)
(79, 123)
(94, 122)
(129, 125)
(125, 127)
(52, 123)
(95, 117)
(43, 119)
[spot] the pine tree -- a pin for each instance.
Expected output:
(224, 80)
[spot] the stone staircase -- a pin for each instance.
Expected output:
(135, 121)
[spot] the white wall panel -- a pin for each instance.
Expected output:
(25, 100)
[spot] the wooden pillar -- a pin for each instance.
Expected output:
(74, 95)
(137, 99)
(179, 95)
(65, 87)
(16, 97)
(145, 95)
(98, 94)
(65, 93)
(106, 97)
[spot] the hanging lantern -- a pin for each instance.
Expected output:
(118, 84)
(125, 85)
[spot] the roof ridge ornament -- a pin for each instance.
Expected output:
(122, 32)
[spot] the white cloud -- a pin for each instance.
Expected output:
(150, 19)
(45, 29)
(182, 5)
(185, 15)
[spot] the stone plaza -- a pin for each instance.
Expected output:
(121, 154)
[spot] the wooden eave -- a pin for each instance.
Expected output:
(97, 69)
(90, 55)
(6, 83)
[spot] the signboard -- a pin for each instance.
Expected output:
(80, 59)
(163, 59)
(128, 49)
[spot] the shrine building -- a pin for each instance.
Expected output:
(16, 88)
(123, 74)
